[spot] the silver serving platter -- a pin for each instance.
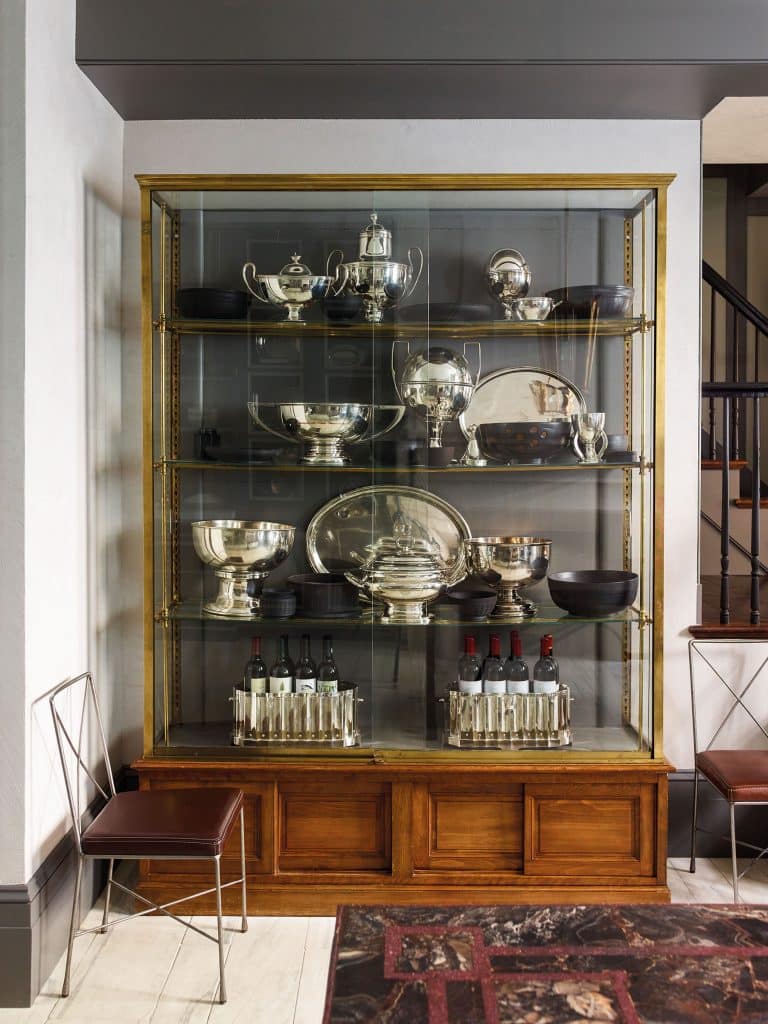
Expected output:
(522, 394)
(340, 534)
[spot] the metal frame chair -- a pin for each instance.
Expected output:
(73, 766)
(727, 787)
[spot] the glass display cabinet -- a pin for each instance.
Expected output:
(389, 420)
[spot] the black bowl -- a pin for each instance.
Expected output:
(524, 442)
(343, 307)
(277, 604)
(473, 605)
(324, 595)
(592, 593)
(212, 304)
(604, 301)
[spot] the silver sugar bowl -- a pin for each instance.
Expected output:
(381, 282)
(295, 287)
(437, 383)
(508, 277)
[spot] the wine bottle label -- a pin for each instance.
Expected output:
(470, 686)
(257, 685)
(327, 686)
(544, 686)
(306, 685)
(494, 686)
(518, 686)
(280, 684)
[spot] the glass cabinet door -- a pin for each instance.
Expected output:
(445, 398)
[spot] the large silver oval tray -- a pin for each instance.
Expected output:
(522, 394)
(340, 535)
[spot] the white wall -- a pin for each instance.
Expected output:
(445, 146)
(72, 423)
(12, 214)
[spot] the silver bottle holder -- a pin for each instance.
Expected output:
(326, 719)
(510, 721)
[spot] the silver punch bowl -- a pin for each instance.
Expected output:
(510, 564)
(325, 427)
(242, 554)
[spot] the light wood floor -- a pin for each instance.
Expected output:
(152, 971)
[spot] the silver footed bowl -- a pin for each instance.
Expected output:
(532, 308)
(325, 427)
(242, 553)
(509, 564)
(381, 284)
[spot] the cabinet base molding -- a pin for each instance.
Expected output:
(323, 834)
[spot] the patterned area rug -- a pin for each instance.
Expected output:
(681, 964)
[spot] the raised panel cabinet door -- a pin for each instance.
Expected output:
(590, 830)
(334, 827)
(467, 827)
(258, 804)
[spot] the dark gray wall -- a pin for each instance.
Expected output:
(434, 58)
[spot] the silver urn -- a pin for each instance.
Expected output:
(380, 281)
(437, 384)
(508, 277)
(294, 288)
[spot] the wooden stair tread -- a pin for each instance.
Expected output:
(733, 631)
(712, 464)
(747, 502)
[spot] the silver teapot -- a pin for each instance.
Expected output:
(437, 383)
(380, 281)
(508, 277)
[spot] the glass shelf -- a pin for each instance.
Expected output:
(472, 329)
(548, 614)
(578, 467)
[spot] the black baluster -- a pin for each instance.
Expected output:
(736, 426)
(725, 525)
(756, 370)
(712, 319)
(754, 609)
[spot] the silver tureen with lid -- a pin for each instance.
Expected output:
(294, 287)
(508, 278)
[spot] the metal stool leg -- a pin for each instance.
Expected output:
(694, 818)
(222, 984)
(734, 862)
(108, 893)
(73, 922)
(244, 898)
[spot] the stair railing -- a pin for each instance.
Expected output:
(729, 392)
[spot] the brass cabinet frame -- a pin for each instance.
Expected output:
(659, 183)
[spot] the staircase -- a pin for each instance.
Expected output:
(734, 512)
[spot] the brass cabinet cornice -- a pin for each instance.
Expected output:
(398, 182)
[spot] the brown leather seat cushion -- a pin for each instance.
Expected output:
(165, 823)
(740, 775)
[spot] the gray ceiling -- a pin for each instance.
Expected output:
(422, 58)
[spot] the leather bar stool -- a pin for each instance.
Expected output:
(729, 708)
(184, 824)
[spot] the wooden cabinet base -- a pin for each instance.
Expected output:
(322, 834)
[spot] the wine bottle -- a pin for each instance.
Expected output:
(255, 672)
(306, 669)
(546, 673)
(470, 668)
(282, 672)
(494, 676)
(327, 673)
(515, 668)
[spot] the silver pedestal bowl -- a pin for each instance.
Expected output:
(242, 554)
(325, 427)
(517, 562)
